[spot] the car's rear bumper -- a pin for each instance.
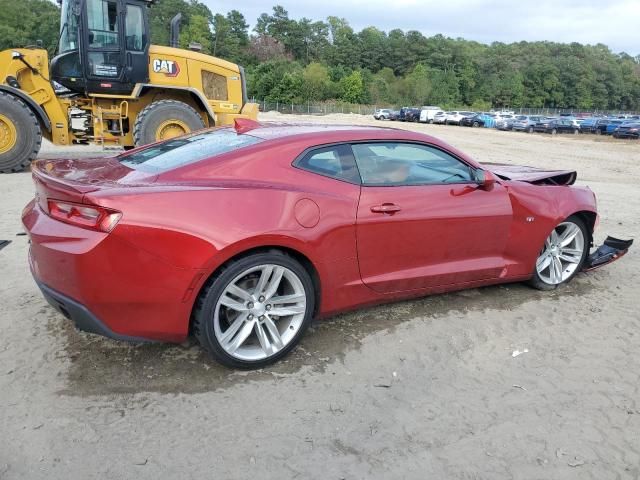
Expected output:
(81, 316)
(107, 284)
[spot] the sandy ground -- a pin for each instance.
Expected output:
(414, 390)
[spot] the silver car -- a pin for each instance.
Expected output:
(525, 123)
(382, 114)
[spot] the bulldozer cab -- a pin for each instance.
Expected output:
(104, 46)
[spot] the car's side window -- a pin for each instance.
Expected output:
(335, 161)
(399, 163)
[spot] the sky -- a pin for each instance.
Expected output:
(615, 23)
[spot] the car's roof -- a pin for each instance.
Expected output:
(278, 130)
(283, 142)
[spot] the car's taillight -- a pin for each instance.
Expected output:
(92, 217)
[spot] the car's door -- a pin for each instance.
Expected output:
(423, 221)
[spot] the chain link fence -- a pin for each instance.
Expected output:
(326, 108)
(317, 108)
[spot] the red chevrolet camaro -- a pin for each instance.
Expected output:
(241, 235)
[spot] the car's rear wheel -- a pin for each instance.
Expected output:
(562, 255)
(530, 130)
(553, 131)
(255, 310)
(576, 131)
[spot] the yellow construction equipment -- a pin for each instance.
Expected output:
(108, 85)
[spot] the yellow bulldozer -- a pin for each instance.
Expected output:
(108, 85)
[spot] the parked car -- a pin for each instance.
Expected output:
(382, 114)
(453, 118)
(607, 126)
(525, 123)
(629, 129)
(588, 125)
(505, 122)
(393, 115)
(409, 114)
(600, 126)
(477, 120)
(558, 125)
(129, 246)
(441, 118)
(428, 113)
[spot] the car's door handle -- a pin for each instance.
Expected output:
(389, 208)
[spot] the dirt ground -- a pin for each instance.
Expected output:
(414, 390)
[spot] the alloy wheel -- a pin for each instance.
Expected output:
(562, 253)
(260, 312)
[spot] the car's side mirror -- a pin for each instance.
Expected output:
(485, 179)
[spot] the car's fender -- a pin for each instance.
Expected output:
(538, 209)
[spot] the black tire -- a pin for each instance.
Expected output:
(475, 124)
(598, 132)
(553, 131)
(530, 130)
(153, 115)
(203, 315)
(538, 283)
(22, 124)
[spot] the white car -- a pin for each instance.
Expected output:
(427, 114)
(453, 118)
(441, 117)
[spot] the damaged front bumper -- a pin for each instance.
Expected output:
(611, 250)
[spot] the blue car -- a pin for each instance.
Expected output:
(607, 126)
(588, 125)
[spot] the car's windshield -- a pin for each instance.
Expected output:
(181, 151)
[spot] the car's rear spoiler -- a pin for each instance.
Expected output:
(611, 250)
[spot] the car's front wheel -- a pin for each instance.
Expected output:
(562, 255)
(254, 310)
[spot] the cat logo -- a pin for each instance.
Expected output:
(168, 67)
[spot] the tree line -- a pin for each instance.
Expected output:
(302, 60)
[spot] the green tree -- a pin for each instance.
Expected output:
(230, 36)
(23, 23)
(197, 31)
(352, 87)
(316, 80)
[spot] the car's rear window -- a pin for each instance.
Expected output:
(181, 151)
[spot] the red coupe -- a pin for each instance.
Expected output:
(242, 235)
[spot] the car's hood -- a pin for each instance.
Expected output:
(532, 174)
